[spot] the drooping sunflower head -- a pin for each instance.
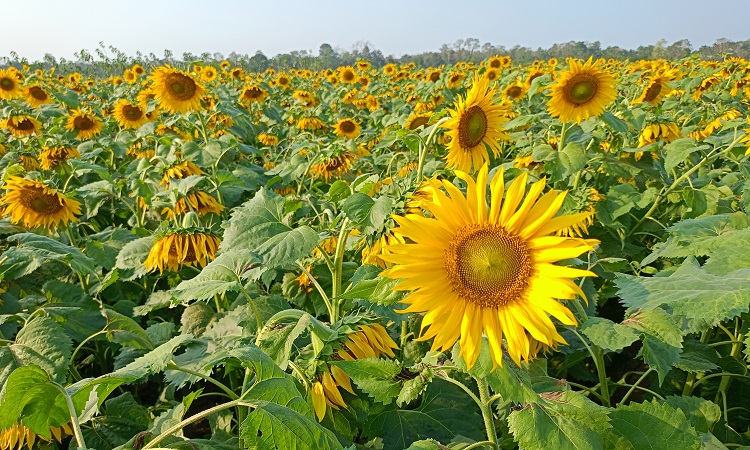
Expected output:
(19, 435)
(52, 156)
(476, 267)
(476, 124)
(85, 123)
(199, 202)
(657, 87)
(21, 125)
(175, 90)
(311, 124)
(253, 94)
(666, 132)
(180, 170)
(10, 86)
(36, 96)
(35, 204)
(268, 139)
(129, 115)
(333, 166)
(347, 128)
(183, 247)
(581, 92)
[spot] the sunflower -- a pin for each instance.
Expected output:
(253, 94)
(656, 88)
(52, 156)
(581, 92)
(129, 115)
(475, 124)
(417, 120)
(85, 123)
(347, 74)
(185, 247)
(34, 204)
(10, 87)
(175, 90)
(515, 91)
(180, 170)
(268, 139)
(455, 79)
(21, 125)
(209, 74)
(496, 62)
(333, 166)
(129, 76)
(138, 69)
(36, 96)
(347, 128)
(667, 132)
(478, 268)
(17, 435)
(199, 202)
(492, 75)
(311, 124)
(371, 341)
(283, 80)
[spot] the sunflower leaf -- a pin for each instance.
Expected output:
(651, 425)
(661, 336)
(678, 151)
(608, 335)
(377, 377)
(271, 425)
(563, 420)
(34, 250)
(31, 396)
(221, 275)
(42, 342)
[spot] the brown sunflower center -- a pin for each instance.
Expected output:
(581, 89)
(653, 91)
(252, 93)
(495, 63)
(83, 123)
(180, 86)
(7, 84)
(283, 81)
(347, 126)
(434, 76)
(348, 75)
(24, 125)
(132, 112)
(36, 200)
(514, 91)
(488, 266)
(38, 93)
(418, 122)
(492, 75)
(472, 127)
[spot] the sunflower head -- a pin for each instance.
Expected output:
(581, 92)
(333, 166)
(21, 125)
(35, 204)
(475, 125)
(129, 115)
(268, 139)
(36, 96)
(311, 124)
(53, 156)
(477, 268)
(347, 75)
(85, 123)
(347, 128)
(175, 90)
(180, 170)
(253, 94)
(417, 120)
(175, 248)
(10, 86)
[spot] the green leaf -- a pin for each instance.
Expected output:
(41, 342)
(104, 247)
(277, 341)
(358, 206)
(31, 396)
(132, 256)
(378, 290)
(377, 377)
(281, 391)
(701, 413)
(254, 358)
(697, 357)
(122, 419)
(444, 413)
(651, 425)
(608, 335)
(219, 276)
(678, 151)
(573, 158)
(125, 331)
(563, 420)
(691, 292)
(33, 250)
(662, 339)
(152, 362)
(270, 425)
(339, 190)
(614, 122)
(258, 225)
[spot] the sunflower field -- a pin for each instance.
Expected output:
(477, 256)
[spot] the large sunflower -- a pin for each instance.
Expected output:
(477, 268)
(129, 115)
(175, 90)
(347, 128)
(10, 88)
(581, 92)
(34, 204)
(176, 248)
(85, 123)
(475, 124)
(36, 96)
(21, 125)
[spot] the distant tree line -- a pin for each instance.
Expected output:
(108, 58)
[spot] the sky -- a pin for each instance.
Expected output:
(32, 28)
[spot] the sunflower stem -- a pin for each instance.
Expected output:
(424, 148)
(319, 288)
(73, 416)
(219, 384)
(561, 144)
(485, 404)
(338, 261)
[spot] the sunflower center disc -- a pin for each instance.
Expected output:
(514, 92)
(83, 123)
(488, 266)
(132, 112)
(25, 125)
(348, 127)
(653, 91)
(38, 201)
(582, 89)
(180, 86)
(6, 84)
(472, 127)
(38, 93)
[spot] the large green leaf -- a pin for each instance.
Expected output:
(608, 335)
(104, 247)
(277, 341)
(219, 276)
(34, 250)
(130, 259)
(702, 414)
(368, 213)
(271, 425)
(30, 395)
(677, 152)
(703, 298)
(661, 336)
(563, 421)
(41, 342)
(651, 425)
(258, 225)
(377, 377)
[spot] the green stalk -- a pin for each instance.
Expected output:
(338, 261)
(486, 407)
(424, 148)
(73, 416)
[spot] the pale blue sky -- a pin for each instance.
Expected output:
(62, 27)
